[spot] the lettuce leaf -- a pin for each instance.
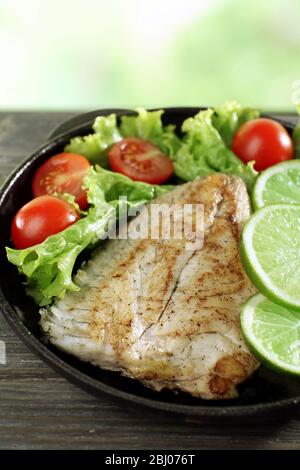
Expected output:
(93, 146)
(48, 267)
(145, 124)
(296, 136)
(229, 117)
(203, 150)
(148, 125)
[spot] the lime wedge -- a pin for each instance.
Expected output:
(270, 252)
(272, 333)
(279, 184)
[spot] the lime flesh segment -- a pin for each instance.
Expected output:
(270, 252)
(278, 184)
(272, 333)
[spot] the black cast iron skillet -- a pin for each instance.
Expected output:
(266, 393)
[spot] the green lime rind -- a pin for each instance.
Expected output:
(279, 184)
(269, 250)
(256, 279)
(272, 333)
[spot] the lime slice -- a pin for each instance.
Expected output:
(279, 184)
(272, 333)
(270, 252)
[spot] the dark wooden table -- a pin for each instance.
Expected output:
(41, 410)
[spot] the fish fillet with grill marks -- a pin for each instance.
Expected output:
(162, 314)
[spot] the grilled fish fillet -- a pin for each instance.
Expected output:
(162, 314)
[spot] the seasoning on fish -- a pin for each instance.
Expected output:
(164, 315)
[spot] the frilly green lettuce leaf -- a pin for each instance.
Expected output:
(229, 117)
(93, 146)
(148, 125)
(105, 187)
(145, 125)
(70, 199)
(48, 267)
(203, 151)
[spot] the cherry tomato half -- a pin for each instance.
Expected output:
(263, 140)
(62, 173)
(140, 160)
(40, 218)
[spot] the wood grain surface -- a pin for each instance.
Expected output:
(41, 410)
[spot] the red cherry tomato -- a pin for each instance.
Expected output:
(62, 173)
(140, 160)
(263, 140)
(40, 218)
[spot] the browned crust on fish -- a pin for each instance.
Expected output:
(166, 316)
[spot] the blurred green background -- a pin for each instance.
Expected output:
(81, 54)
